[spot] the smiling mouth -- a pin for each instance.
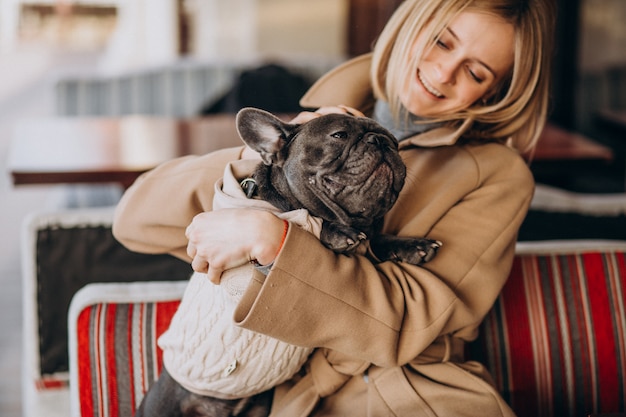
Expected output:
(432, 90)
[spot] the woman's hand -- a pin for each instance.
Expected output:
(306, 116)
(249, 153)
(224, 239)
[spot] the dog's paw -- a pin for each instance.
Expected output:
(416, 251)
(341, 239)
(423, 251)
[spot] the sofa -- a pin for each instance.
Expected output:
(555, 340)
(63, 250)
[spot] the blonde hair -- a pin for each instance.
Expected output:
(516, 110)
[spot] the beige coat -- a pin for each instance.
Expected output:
(391, 335)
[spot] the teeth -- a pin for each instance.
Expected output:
(429, 87)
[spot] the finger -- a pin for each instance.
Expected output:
(351, 111)
(199, 265)
(339, 109)
(249, 153)
(214, 275)
(330, 110)
(303, 117)
(191, 250)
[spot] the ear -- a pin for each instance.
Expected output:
(265, 133)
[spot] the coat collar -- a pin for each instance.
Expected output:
(441, 136)
(349, 84)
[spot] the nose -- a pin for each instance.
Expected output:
(445, 71)
(381, 141)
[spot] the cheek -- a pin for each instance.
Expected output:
(470, 94)
(431, 54)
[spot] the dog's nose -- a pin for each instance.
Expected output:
(374, 139)
(379, 140)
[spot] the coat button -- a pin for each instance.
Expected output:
(231, 368)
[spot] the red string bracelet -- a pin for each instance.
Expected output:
(282, 241)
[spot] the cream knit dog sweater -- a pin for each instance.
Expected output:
(203, 350)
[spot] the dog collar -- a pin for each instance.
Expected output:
(249, 187)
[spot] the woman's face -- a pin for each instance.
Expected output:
(468, 59)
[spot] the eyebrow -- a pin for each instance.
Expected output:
(454, 35)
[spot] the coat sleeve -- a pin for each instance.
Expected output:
(473, 199)
(154, 212)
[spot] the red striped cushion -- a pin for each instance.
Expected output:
(556, 339)
(117, 355)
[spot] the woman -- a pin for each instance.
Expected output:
(464, 86)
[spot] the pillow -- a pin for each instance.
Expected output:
(63, 251)
(555, 340)
(114, 357)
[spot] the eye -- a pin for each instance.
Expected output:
(339, 135)
(442, 44)
(473, 75)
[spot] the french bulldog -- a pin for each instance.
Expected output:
(343, 169)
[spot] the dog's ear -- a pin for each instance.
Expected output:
(265, 133)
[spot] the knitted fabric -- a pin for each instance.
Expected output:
(405, 126)
(203, 350)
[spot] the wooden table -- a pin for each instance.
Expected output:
(558, 144)
(68, 150)
(94, 150)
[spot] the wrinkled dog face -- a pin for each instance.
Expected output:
(340, 167)
(351, 164)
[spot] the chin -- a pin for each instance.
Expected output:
(420, 107)
(419, 110)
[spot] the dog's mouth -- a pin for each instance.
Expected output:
(336, 184)
(368, 194)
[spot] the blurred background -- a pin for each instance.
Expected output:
(178, 57)
(121, 36)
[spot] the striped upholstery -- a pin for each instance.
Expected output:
(113, 353)
(555, 341)
(62, 251)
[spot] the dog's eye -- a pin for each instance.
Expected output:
(339, 135)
